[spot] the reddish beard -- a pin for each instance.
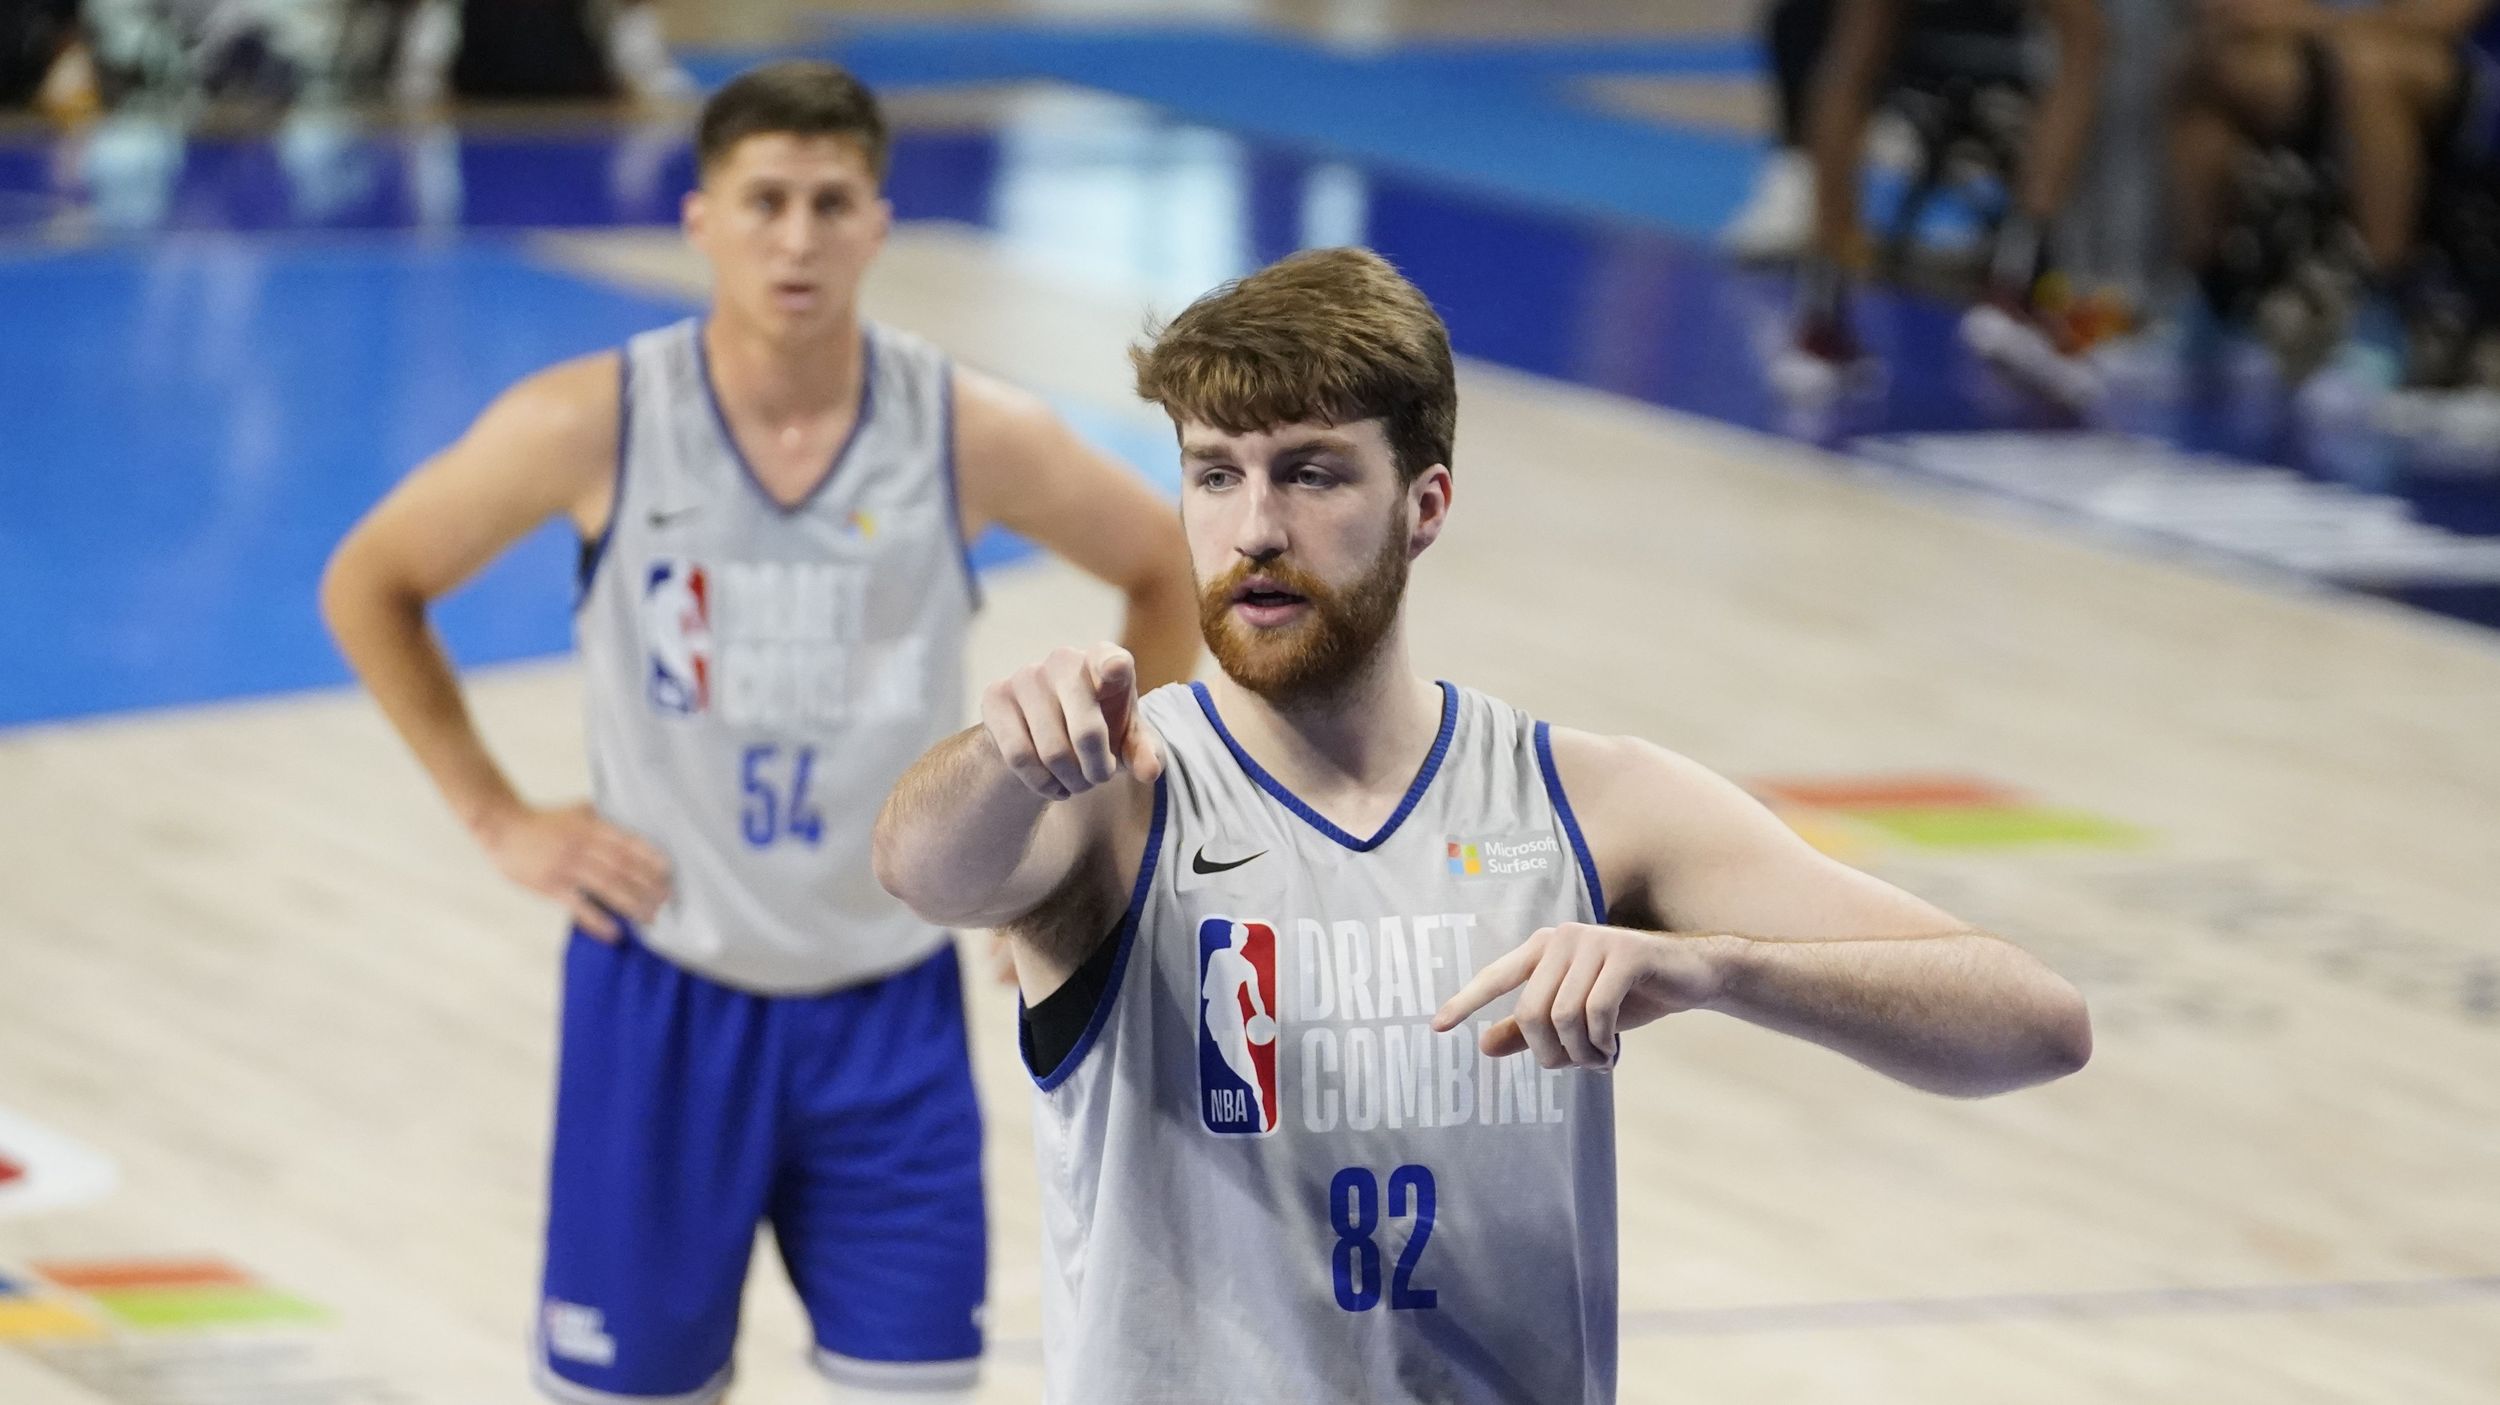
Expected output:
(1318, 654)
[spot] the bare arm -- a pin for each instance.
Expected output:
(547, 446)
(965, 843)
(1023, 467)
(1720, 906)
(1019, 822)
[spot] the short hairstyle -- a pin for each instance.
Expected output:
(1333, 335)
(802, 97)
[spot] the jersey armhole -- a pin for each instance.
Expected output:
(1570, 821)
(954, 490)
(595, 551)
(1127, 943)
(1047, 1032)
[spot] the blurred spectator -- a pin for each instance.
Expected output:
(2383, 93)
(2416, 83)
(35, 37)
(2111, 239)
(536, 49)
(1777, 220)
(169, 51)
(1847, 84)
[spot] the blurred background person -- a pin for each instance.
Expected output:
(171, 53)
(1866, 36)
(2373, 96)
(1777, 219)
(43, 58)
(536, 49)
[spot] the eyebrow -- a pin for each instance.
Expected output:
(1333, 443)
(758, 183)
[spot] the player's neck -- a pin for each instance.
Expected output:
(1366, 738)
(775, 380)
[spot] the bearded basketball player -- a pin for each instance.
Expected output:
(1433, 917)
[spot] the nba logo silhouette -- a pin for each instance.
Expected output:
(1237, 1026)
(677, 632)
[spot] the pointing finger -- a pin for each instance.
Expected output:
(1114, 671)
(1499, 977)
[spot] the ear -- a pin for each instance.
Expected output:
(691, 213)
(1429, 495)
(885, 222)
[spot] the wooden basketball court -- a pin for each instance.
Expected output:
(246, 957)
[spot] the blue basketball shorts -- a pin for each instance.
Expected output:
(689, 1113)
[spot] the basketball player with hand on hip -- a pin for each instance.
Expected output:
(1409, 1194)
(775, 502)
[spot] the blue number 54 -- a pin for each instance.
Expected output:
(770, 814)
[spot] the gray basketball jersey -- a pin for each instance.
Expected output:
(758, 677)
(1264, 1177)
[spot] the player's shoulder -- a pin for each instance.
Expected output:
(903, 343)
(574, 398)
(1611, 773)
(1651, 815)
(995, 413)
(573, 390)
(1595, 757)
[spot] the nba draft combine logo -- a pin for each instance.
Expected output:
(773, 643)
(1237, 1026)
(1319, 1025)
(1502, 858)
(677, 628)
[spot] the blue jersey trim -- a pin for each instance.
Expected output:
(1313, 818)
(1119, 963)
(596, 551)
(833, 470)
(1570, 821)
(954, 493)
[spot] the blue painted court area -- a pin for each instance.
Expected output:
(203, 419)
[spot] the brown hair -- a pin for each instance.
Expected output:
(802, 97)
(1334, 335)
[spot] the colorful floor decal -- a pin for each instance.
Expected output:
(1844, 816)
(180, 1295)
(31, 1312)
(179, 1331)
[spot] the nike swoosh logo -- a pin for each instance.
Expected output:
(662, 519)
(1198, 862)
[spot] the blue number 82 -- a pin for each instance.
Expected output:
(1354, 1212)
